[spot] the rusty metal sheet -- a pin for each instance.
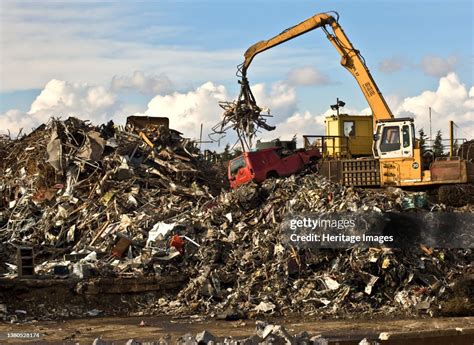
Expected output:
(447, 170)
(139, 123)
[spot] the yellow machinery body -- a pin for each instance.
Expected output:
(398, 171)
(358, 130)
(392, 155)
(409, 171)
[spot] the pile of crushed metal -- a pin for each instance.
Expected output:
(69, 186)
(243, 268)
(105, 202)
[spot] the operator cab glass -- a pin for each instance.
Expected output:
(390, 139)
(406, 136)
(349, 128)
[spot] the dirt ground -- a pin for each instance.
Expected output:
(83, 331)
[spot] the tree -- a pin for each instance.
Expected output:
(236, 152)
(229, 154)
(438, 148)
(422, 134)
(225, 155)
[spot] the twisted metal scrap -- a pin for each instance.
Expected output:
(244, 116)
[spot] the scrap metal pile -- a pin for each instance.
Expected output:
(118, 207)
(70, 186)
(244, 269)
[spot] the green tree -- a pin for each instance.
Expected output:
(422, 134)
(438, 148)
(229, 154)
(236, 152)
(226, 155)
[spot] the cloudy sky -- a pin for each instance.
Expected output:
(107, 60)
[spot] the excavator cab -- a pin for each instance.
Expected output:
(394, 138)
(401, 161)
(396, 147)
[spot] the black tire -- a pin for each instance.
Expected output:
(272, 174)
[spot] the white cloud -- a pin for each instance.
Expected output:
(280, 99)
(391, 65)
(450, 101)
(298, 124)
(59, 95)
(141, 82)
(437, 66)
(306, 76)
(187, 111)
(63, 99)
(13, 120)
(432, 65)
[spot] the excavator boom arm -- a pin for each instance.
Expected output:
(350, 58)
(312, 23)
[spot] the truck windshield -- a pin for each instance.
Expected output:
(236, 164)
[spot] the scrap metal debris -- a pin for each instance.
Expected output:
(264, 334)
(70, 186)
(260, 275)
(102, 202)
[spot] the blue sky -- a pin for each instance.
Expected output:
(189, 43)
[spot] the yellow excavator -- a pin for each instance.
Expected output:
(395, 158)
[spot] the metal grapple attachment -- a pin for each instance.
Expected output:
(244, 116)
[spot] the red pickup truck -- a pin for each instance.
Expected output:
(270, 162)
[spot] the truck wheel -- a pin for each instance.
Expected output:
(272, 174)
(313, 164)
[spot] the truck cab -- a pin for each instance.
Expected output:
(269, 162)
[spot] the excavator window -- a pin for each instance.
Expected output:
(406, 136)
(390, 139)
(349, 128)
